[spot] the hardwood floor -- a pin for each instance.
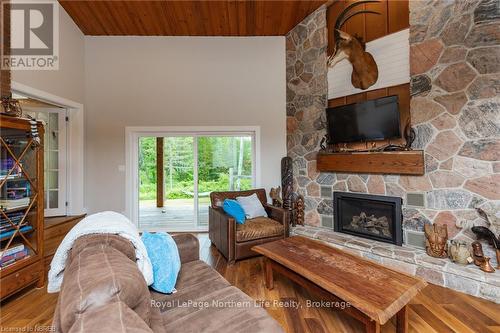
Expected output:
(435, 309)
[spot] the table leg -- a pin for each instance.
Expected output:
(372, 327)
(269, 275)
(402, 320)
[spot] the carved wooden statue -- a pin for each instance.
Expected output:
(287, 182)
(299, 210)
(364, 67)
(436, 237)
(275, 195)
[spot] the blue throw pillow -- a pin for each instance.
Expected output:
(234, 209)
(164, 255)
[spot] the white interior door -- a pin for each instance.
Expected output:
(54, 149)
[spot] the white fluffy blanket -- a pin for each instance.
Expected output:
(100, 223)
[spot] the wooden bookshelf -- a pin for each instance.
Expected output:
(391, 162)
(21, 181)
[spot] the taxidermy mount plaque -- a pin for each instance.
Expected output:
(353, 48)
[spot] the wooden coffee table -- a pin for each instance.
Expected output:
(375, 293)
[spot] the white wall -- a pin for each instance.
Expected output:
(64, 86)
(178, 81)
(66, 82)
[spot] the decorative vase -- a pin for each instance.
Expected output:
(459, 252)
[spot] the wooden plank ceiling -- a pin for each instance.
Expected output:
(188, 18)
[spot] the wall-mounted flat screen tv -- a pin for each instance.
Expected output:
(371, 120)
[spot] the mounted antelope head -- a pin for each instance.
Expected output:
(364, 67)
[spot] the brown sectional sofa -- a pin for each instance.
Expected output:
(103, 291)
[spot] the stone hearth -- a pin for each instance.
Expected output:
(467, 279)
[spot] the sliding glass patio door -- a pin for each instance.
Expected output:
(177, 173)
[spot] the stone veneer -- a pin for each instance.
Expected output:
(455, 110)
(468, 279)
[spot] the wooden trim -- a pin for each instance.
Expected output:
(396, 162)
(54, 222)
(159, 172)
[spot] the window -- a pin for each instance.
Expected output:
(54, 120)
(173, 170)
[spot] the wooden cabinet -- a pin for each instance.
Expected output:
(21, 205)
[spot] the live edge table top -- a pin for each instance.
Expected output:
(377, 291)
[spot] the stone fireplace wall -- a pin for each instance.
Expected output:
(455, 110)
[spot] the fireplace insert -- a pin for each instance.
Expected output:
(375, 217)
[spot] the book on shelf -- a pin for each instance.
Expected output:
(7, 234)
(11, 176)
(14, 203)
(7, 264)
(7, 164)
(14, 248)
(13, 257)
(15, 219)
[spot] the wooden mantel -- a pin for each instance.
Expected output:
(393, 162)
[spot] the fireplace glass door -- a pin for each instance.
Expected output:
(374, 217)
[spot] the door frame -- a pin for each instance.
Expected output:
(62, 114)
(75, 159)
(132, 135)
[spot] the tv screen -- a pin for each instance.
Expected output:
(372, 120)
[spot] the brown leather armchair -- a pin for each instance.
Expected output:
(235, 240)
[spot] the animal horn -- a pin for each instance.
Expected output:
(356, 13)
(340, 19)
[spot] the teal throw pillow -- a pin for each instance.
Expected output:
(164, 255)
(234, 209)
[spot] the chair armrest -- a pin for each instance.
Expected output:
(280, 215)
(223, 215)
(189, 247)
(222, 232)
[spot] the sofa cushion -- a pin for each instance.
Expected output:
(252, 206)
(206, 302)
(196, 279)
(99, 274)
(164, 256)
(217, 198)
(105, 319)
(225, 310)
(234, 209)
(257, 228)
